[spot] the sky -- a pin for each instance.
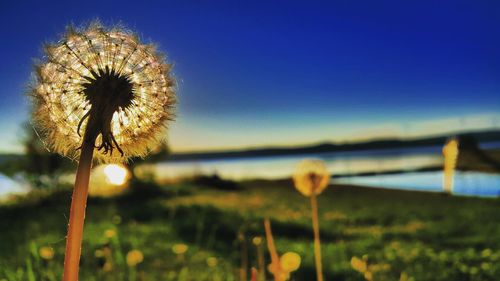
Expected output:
(258, 73)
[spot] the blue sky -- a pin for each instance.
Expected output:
(255, 73)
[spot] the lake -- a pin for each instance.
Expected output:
(343, 165)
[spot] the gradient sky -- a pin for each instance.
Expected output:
(288, 72)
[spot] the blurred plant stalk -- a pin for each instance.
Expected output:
(317, 241)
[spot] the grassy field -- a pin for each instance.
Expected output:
(400, 235)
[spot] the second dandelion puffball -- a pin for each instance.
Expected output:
(311, 176)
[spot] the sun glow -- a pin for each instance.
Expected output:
(109, 180)
(116, 174)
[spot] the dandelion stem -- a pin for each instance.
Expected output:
(77, 212)
(244, 258)
(275, 261)
(317, 243)
(261, 263)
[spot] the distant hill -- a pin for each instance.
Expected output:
(4, 158)
(484, 136)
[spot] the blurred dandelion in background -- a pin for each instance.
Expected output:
(46, 253)
(257, 242)
(290, 261)
(361, 266)
(179, 249)
(311, 177)
(134, 258)
(99, 88)
(450, 152)
(212, 261)
(110, 233)
(369, 270)
(280, 267)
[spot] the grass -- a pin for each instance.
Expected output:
(401, 235)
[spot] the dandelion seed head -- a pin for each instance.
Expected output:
(103, 82)
(311, 176)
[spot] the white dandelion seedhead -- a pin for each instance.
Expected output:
(103, 85)
(311, 176)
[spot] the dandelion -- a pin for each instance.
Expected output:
(280, 267)
(257, 242)
(110, 233)
(99, 88)
(361, 266)
(274, 266)
(358, 264)
(180, 249)
(311, 177)
(134, 258)
(212, 261)
(46, 253)
(244, 256)
(450, 152)
(290, 261)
